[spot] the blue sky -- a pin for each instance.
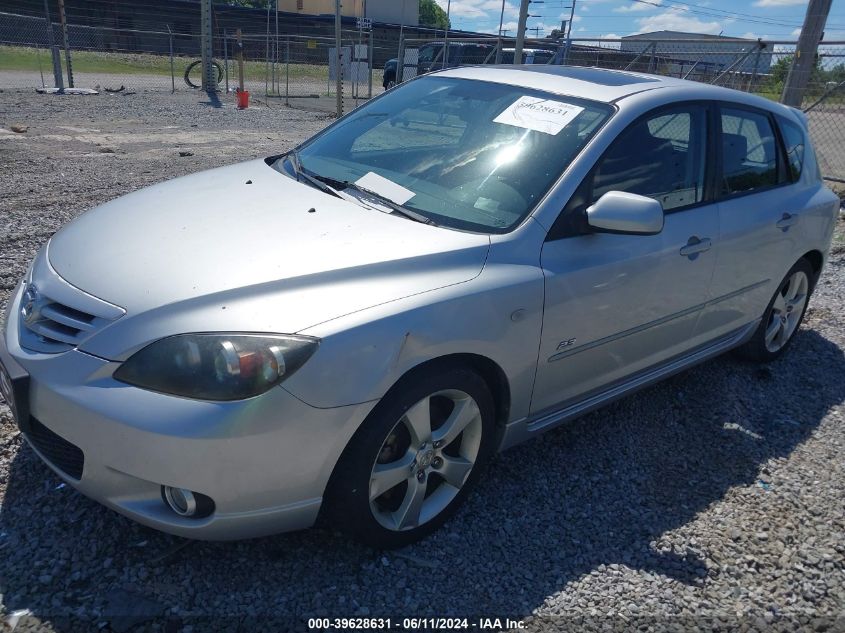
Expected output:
(769, 19)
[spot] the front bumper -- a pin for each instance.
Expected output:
(265, 462)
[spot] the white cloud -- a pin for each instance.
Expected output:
(638, 7)
(675, 20)
(473, 9)
(779, 3)
(796, 32)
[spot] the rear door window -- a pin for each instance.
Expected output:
(749, 151)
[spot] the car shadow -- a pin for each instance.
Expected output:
(598, 493)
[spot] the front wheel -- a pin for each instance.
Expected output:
(414, 460)
(783, 315)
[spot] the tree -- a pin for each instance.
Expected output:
(780, 69)
(432, 15)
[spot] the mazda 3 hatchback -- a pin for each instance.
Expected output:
(351, 330)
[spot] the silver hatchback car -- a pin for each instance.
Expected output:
(471, 259)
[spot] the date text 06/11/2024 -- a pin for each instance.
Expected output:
(414, 624)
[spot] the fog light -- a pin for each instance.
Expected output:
(181, 501)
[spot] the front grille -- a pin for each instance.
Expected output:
(55, 449)
(56, 316)
(58, 326)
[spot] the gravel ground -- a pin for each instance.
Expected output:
(714, 500)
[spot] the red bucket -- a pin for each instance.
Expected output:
(243, 99)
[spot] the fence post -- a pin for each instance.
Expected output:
(40, 69)
(287, 69)
(761, 46)
(58, 79)
(339, 60)
(400, 62)
(172, 71)
(370, 64)
(226, 58)
(267, 54)
(276, 51)
(240, 56)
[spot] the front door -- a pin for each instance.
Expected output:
(618, 304)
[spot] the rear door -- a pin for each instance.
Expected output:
(759, 216)
(619, 304)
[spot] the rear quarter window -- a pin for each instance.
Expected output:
(794, 144)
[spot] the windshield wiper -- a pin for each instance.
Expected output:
(395, 207)
(334, 186)
(318, 183)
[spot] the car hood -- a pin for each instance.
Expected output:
(249, 249)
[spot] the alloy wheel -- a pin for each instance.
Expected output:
(425, 460)
(787, 310)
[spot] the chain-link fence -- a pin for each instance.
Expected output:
(301, 70)
(298, 70)
(752, 66)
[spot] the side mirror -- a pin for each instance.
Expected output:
(628, 213)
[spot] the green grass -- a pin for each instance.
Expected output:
(23, 58)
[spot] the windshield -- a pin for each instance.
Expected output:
(465, 154)
(427, 53)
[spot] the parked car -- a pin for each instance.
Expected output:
(430, 57)
(529, 56)
(353, 329)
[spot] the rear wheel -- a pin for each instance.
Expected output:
(414, 460)
(783, 315)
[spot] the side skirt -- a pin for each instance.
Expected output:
(525, 428)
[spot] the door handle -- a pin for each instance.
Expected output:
(695, 246)
(786, 221)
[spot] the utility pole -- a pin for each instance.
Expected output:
(520, 31)
(446, 38)
(63, 22)
(568, 44)
(805, 52)
(499, 42)
(209, 79)
(54, 51)
(339, 60)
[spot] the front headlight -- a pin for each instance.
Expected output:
(216, 366)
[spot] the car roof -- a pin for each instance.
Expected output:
(598, 84)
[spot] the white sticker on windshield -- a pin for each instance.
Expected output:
(384, 187)
(542, 115)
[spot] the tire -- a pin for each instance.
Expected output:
(377, 494)
(193, 65)
(783, 315)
